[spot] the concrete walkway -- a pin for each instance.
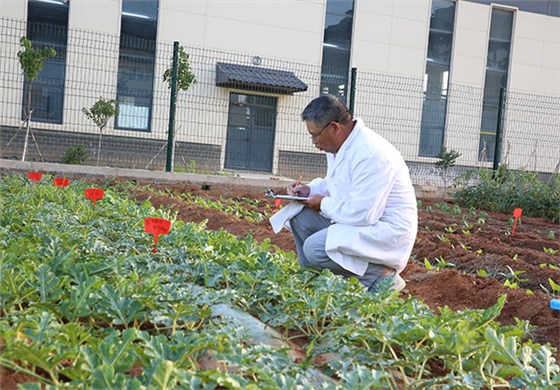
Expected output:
(85, 172)
(227, 178)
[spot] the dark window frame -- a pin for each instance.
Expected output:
(433, 122)
(337, 48)
(142, 27)
(490, 106)
(60, 15)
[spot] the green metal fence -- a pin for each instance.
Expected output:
(403, 109)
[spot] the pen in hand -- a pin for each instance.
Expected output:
(296, 185)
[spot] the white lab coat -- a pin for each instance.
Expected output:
(370, 200)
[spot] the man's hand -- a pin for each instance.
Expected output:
(314, 202)
(298, 189)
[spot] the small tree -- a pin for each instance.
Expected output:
(185, 78)
(446, 160)
(100, 113)
(31, 61)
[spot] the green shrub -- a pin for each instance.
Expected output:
(446, 160)
(508, 189)
(76, 155)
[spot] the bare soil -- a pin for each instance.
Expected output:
(472, 242)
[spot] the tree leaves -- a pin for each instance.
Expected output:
(32, 59)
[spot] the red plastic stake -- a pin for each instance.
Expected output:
(516, 215)
(277, 203)
(94, 194)
(156, 226)
(61, 182)
(35, 176)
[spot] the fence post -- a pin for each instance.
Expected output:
(499, 128)
(171, 131)
(352, 90)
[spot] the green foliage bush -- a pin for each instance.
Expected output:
(76, 155)
(507, 189)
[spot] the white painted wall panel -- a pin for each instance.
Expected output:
(409, 33)
(553, 30)
(468, 70)
(473, 16)
(371, 56)
(525, 78)
(531, 26)
(378, 7)
(100, 15)
(535, 62)
(371, 27)
(298, 15)
(551, 55)
(16, 9)
(550, 81)
(185, 27)
(470, 44)
(407, 61)
(274, 41)
(528, 52)
(412, 10)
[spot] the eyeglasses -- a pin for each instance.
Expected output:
(314, 136)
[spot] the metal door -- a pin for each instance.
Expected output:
(250, 136)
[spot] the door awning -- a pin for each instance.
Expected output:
(255, 78)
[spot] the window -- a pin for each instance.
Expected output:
(137, 57)
(543, 7)
(337, 42)
(47, 26)
(436, 78)
(497, 64)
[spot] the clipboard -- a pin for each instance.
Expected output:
(287, 197)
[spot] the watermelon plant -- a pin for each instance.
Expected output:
(87, 304)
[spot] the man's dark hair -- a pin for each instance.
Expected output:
(325, 109)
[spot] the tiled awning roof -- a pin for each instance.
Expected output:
(255, 78)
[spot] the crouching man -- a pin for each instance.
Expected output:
(361, 219)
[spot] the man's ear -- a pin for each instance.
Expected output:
(338, 127)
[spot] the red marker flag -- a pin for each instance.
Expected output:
(35, 176)
(94, 194)
(156, 226)
(61, 182)
(516, 214)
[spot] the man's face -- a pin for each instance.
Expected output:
(322, 138)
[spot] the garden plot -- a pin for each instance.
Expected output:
(86, 301)
(463, 258)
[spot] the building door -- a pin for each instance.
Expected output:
(250, 136)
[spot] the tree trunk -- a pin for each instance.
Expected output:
(26, 142)
(99, 146)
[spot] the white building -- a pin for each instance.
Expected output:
(428, 75)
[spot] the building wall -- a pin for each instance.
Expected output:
(468, 66)
(389, 44)
(13, 9)
(391, 38)
(99, 15)
(264, 28)
(535, 65)
(535, 69)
